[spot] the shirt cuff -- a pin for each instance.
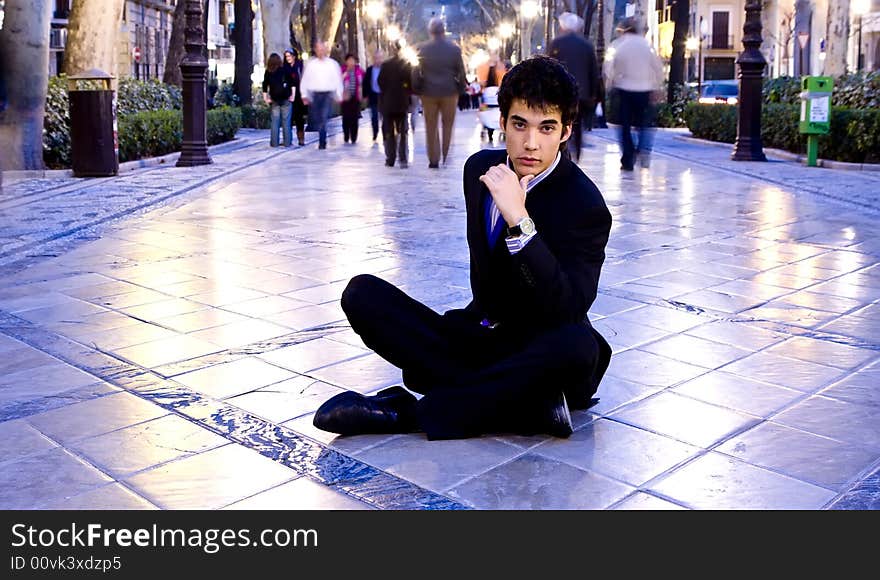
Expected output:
(517, 243)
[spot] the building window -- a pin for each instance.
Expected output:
(721, 31)
(62, 9)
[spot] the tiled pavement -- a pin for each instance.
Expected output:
(167, 334)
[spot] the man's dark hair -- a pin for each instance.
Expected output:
(542, 82)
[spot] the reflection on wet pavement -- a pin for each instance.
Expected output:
(172, 359)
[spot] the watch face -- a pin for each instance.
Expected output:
(527, 226)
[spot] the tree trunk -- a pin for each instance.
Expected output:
(176, 49)
(24, 66)
(329, 16)
(836, 38)
(681, 16)
(91, 36)
(276, 28)
(243, 39)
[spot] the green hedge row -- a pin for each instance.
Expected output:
(148, 121)
(854, 137)
(154, 133)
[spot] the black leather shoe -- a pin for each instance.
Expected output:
(351, 413)
(558, 417)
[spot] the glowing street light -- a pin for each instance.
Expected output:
(393, 33)
(375, 10)
(493, 43)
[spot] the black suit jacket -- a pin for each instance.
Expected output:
(579, 57)
(554, 279)
(394, 83)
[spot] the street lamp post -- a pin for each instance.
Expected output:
(193, 69)
(748, 146)
(529, 10)
(704, 33)
(375, 11)
(860, 8)
(505, 31)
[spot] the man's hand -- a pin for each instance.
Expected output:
(305, 101)
(266, 99)
(508, 192)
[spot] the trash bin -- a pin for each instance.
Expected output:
(93, 140)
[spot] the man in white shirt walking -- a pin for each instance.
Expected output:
(635, 72)
(321, 84)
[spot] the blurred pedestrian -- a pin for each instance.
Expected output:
(475, 89)
(294, 67)
(490, 74)
(321, 86)
(578, 55)
(372, 91)
(634, 71)
(394, 102)
(352, 95)
(439, 79)
(277, 92)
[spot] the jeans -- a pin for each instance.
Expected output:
(319, 112)
(374, 115)
(635, 110)
(280, 119)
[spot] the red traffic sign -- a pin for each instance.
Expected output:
(136, 53)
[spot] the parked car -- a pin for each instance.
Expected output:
(724, 92)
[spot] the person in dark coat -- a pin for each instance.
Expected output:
(372, 90)
(579, 56)
(523, 351)
(293, 67)
(394, 102)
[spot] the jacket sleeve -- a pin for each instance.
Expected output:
(266, 82)
(562, 285)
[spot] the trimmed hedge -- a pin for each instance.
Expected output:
(853, 91)
(149, 121)
(854, 137)
(154, 133)
(256, 116)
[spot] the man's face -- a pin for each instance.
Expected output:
(378, 57)
(533, 137)
(320, 49)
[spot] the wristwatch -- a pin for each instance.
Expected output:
(525, 227)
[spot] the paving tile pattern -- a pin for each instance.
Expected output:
(166, 335)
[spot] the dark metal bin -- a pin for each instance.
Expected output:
(93, 139)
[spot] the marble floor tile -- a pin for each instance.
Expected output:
(233, 378)
(695, 351)
(651, 370)
(835, 419)
(803, 376)
(310, 316)
(684, 419)
(738, 393)
(626, 334)
(201, 319)
(645, 502)
(242, 333)
(108, 497)
(42, 381)
(666, 319)
(130, 335)
(616, 450)
(527, 483)
(818, 460)
(718, 301)
(126, 451)
(18, 439)
(95, 417)
(313, 354)
(363, 374)
(265, 307)
(425, 463)
(210, 480)
(38, 479)
(697, 485)
(300, 494)
(826, 352)
(614, 392)
(168, 350)
(286, 400)
(738, 334)
(163, 309)
(860, 387)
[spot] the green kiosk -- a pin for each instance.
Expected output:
(815, 113)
